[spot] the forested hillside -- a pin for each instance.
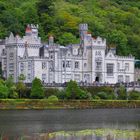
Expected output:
(116, 20)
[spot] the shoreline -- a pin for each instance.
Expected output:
(14, 104)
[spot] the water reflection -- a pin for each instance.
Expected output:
(37, 124)
(96, 134)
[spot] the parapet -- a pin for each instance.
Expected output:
(99, 41)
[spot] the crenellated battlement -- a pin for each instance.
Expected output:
(125, 57)
(34, 26)
(83, 27)
(99, 41)
(31, 36)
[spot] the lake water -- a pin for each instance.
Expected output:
(89, 124)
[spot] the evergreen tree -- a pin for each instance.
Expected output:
(3, 89)
(73, 91)
(37, 90)
(121, 93)
(11, 87)
(44, 6)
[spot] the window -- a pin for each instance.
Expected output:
(51, 55)
(127, 66)
(43, 65)
(29, 65)
(77, 77)
(85, 65)
(63, 64)
(118, 66)
(11, 56)
(29, 76)
(51, 65)
(11, 66)
(110, 68)
(98, 65)
(87, 78)
(68, 64)
(120, 78)
(76, 64)
(98, 53)
(21, 66)
(43, 77)
(127, 79)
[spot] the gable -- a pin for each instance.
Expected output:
(110, 55)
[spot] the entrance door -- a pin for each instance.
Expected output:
(97, 79)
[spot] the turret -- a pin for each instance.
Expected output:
(83, 29)
(51, 40)
(28, 30)
(32, 30)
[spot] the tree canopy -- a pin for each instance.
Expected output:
(37, 90)
(116, 20)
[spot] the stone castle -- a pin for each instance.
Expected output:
(88, 61)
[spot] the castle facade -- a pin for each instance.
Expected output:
(88, 61)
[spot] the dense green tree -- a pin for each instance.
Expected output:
(11, 87)
(3, 89)
(73, 91)
(21, 89)
(9, 82)
(116, 20)
(120, 40)
(107, 96)
(121, 93)
(67, 38)
(134, 95)
(44, 6)
(21, 77)
(37, 90)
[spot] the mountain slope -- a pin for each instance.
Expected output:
(116, 20)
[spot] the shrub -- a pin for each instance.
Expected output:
(50, 91)
(52, 98)
(3, 91)
(121, 93)
(95, 97)
(134, 95)
(13, 95)
(61, 94)
(95, 90)
(12, 92)
(107, 96)
(73, 91)
(102, 95)
(21, 89)
(37, 90)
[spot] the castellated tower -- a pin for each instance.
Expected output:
(83, 29)
(32, 30)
